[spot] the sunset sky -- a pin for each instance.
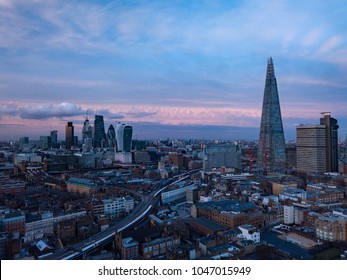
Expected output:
(177, 69)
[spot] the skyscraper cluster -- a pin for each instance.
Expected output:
(95, 137)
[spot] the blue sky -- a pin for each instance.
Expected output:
(187, 69)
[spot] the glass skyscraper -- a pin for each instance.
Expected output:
(271, 151)
(54, 138)
(111, 137)
(124, 137)
(99, 132)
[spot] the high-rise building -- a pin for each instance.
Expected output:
(331, 139)
(54, 138)
(87, 130)
(310, 148)
(124, 137)
(69, 135)
(111, 137)
(316, 146)
(99, 132)
(271, 155)
(45, 142)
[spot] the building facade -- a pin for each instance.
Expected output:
(118, 207)
(310, 148)
(218, 155)
(158, 246)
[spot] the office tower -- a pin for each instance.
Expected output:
(317, 146)
(111, 137)
(54, 138)
(87, 130)
(69, 135)
(75, 140)
(331, 140)
(127, 136)
(310, 148)
(45, 142)
(99, 132)
(24, 144)
(218, 155)
(271, 155)
(23, 141)
(124, 137)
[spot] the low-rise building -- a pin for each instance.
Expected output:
(130, 249)
(14, 222)
(159, 246)
(229, 213)
(119, 206)
(331, 228)
(81, 185)
(249, 232)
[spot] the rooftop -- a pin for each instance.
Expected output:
(81, 181)
(228, 205)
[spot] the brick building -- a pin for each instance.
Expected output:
(229, 213)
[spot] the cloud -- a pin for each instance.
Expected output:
(108, 114)
(46, 111)
(331, 44)
(8, 109)
(142, 114)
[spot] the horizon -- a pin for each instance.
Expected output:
(179, 69)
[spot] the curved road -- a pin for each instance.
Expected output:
(100, 238)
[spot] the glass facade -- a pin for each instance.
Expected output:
(271, 151)
(99, 132)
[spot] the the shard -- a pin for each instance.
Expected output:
(271, 151)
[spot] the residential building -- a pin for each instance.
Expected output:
(129, 249)
(249, 232)
(158, 246)
(288, 214)
(14, 222)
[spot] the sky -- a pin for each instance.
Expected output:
(171, 69)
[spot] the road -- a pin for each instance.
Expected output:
(141, 210)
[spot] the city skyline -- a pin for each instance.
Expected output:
(169, 69)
